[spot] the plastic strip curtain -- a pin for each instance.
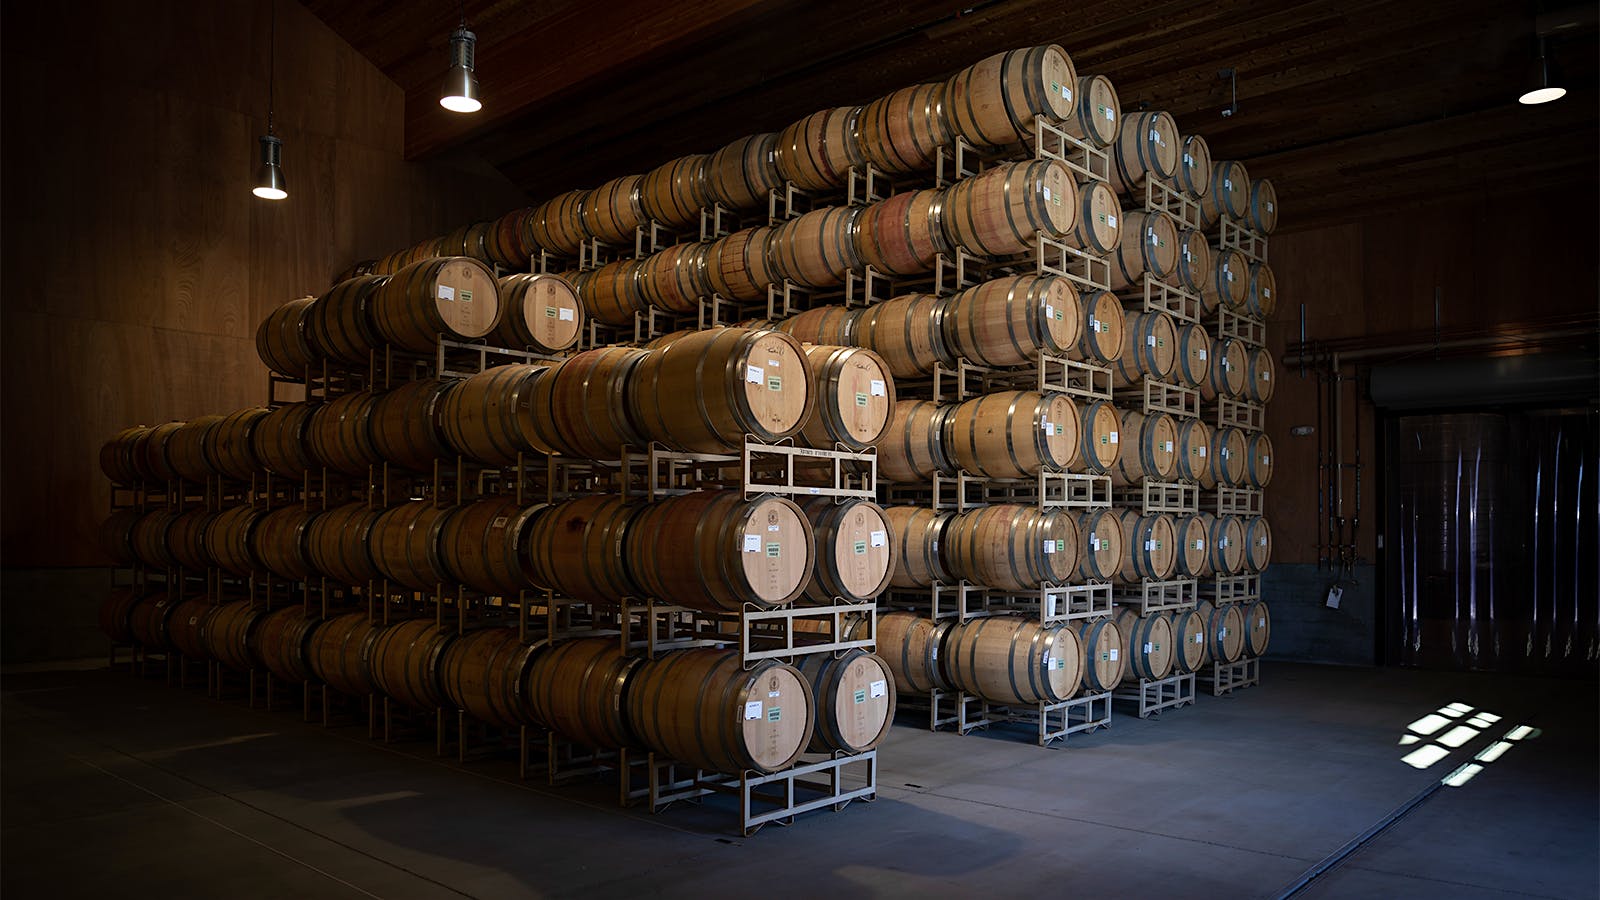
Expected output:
(1498, 541)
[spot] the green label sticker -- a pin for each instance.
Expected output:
(1060, 315)
(772, 550)
(1157, 646)
(466, 296)
(774, 383)
(549, 312)
(1055, 87)
(861, 547)
(775, 714)
(861, 399)
(1105, 657)
(861, 696)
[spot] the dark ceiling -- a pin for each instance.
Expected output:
(1347, 104)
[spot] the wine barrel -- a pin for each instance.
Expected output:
(541, 313)
(1257, 544)
(1189, 641)
(1229, 195)
(994, 102)
(1101, 340)
(1014, 434)
(817, 249)
(186, 626)
(744, 173)
(910, 646)
(1149, 646)
(186, 449)
(906, 331)
(1194, 167)
(1102, 646)
(1097, 116)
(1148, 243)
(490, 417)
(1258, 295)
(283, 340)
(817, 152)
(280, 540)
(149, 539)
(1148, 449)
(830, 325)
(1011, 321)
(1230, 368)
(903, 132)
(578, 689)
(913, 446)
(147, 620)
(1148, 147)
(674, 192)
(1004, 210)
(1100, 554)
(1259, 371)
(404, 543)
(281, 642)
(1257, 628)
(613, 212)
(674, 279)
(556, 225)
(1195, 260)
(855, 397)
(484, 545)
(278, 441)
(703, 708)
(1224, 631)
(903, 234)
(119, 455)
(737, 266)
(1010, 659)
(227, 444)
(1225, 540)
(1192, 365)
(1099, 228)
(715, 550)
(116, 535)
(1152, 546)
(1191, 560)
(854, 700)
(406, 425)
(186, 539)
(580, 404)
(485, 673)
(228, 634)
(704, 393)
(1010, 547)
(339, 544)
(1229, 284)
(1194, 448)
(612, 294)
(154, 460)
(339, 434)
(577, 549)
(1263, 206)
(452, 297)
(1151, 350)
(228, 539)
(339, 653)
(1258, 460)
(855, 550)
(1228, 457)
(1099, 425)
(916, 533)
(405, 662)
(508, 247)
(114, 612)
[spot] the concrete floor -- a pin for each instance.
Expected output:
(112, 786)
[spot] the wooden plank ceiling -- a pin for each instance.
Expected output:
(1346, 104)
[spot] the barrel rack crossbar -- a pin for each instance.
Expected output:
(1048, 374)
(759, 468)
(1159, 596)
(1050, 603)
(1159, 396)
(1181, 498)
(1151, 697)
(1155, 295)
(1046, 490)
(813, 783)
(1235, 501)
(1054, 721)
(1241, 414)
(1161, 197)
(1234, 236)
(1232, 588)
(1241, 327)
(654, 628)
(1225, 678)
(1048, 141)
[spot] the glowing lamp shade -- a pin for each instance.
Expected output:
(270, 184)
(1539, 76)
(460, 92)
(1542, 95)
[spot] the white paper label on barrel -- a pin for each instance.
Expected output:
(1269, 206)
(1186, 256)
(754, 375)
(1166, 447)
(1199, 544)
(499, 522)
(1202, 354)
(1094, 324)
(879, 689)
(1263, 542)
(773, 695)
(879, 389)
(1047, 193)
(1108, 113)
(1267, 292)
(1266, 460)
(1045, 427)
(1147, 646)
(774, 527)
(774, 364)
(1094, 542)
(1202, 450)
(1266, 376)
(1227, 183)
(1047, 661)
(880, 539)
(1222, 633)
(1112, 221)
(1150, 340)
(566, 314)
(1200, 638)
(446, 292)
(1049, 311)
(1149, 545)
(1050, 546)
(752, 710)
(1228, 272)
(1113, 437)
(1066, 93)
(1113, 654)
(752, 543)
(1188, 161)
(1153, 239)
(1155, 135)
(935, 653)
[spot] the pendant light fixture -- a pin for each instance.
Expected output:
(269, 176)
(460, 92)
(1541, 90)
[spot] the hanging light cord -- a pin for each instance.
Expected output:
(272, 65)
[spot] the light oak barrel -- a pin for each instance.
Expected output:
(816, 249)
(1101, 554)
(853, 700)
(484, 673)
(1010, 659)
(994, 102)
(339, 653)
(855, 398)
(1103, 661)
(283, 339)
(906, 331)
(579, 408)
(903, 234)
(1003, 211)
(406, 661)
(1011, 321)
(578, 688)
(715, 550)
(542, 313)
(1149, 645)
(1148, 147)
(913, 446)
(703, 708)
(911, 645)
(407, 424)
(902, 132)
(1147, 450)
(612, 212)
(742, 174)
(1151, 543)
(1011, 547)
(1100, 441)
(855, 549)
(451, 297)
(674, 192)
(592, 531)
(817, 152)
(917, 533)
(1014, 434)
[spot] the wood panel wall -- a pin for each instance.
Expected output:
(136, 261)
(1493, 261)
